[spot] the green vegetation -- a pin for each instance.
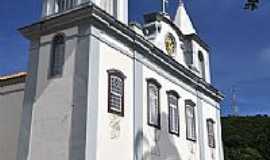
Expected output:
(251, 4)
(246, 138)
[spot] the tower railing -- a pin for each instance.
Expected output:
(63, 5)
(60, 6)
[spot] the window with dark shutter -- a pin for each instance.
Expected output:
(202, 64)
(173, 112)
(57, 56)
(116, 92)
(153, 104)
(190, 120)
(211, 133)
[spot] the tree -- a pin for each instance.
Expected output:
(246, 138)
(251, 5)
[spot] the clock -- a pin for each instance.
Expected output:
(170, 44)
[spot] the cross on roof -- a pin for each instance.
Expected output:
(180, 2)
(163, 8)
(165, 2)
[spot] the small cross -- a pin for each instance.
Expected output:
(164, 2)
(180, 2)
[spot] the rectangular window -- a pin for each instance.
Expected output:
(190, 120)
(211, 133)
(153, 88)
(116, 92)
(173, 112)
(57, 58)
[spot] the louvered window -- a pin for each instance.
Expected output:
(57, 56)
(202, 64)
(116, 92)
(153, 103)
(173, 112)
(211, 133)
(190, 120)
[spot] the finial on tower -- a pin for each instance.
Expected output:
(181, 2)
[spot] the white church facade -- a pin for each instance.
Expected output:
(98, 88)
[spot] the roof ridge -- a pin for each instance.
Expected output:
(12, 76)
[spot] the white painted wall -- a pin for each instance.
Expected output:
(112, 143)
(159, 41)
(11, 101)
(51, 120)
(210, 112)
(170, 146)
(114, 55)
(196, 48)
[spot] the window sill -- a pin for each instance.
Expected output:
(154, 126)
(174, 133)
(192, 139)
(120, 114)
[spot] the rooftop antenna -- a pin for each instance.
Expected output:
(234, 102)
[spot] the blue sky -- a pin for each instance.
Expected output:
(239, 41)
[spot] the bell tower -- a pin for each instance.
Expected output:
(116, 8)
(59, 117)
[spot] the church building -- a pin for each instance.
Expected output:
(101, 88)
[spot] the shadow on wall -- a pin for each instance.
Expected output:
(163, 146)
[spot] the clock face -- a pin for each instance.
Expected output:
(170, 44)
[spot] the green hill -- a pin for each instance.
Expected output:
(246, 138)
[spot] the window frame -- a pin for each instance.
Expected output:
(190, 103)
(118, 74)
(202, 66)
(152, 81)
(52, 64)
(212, 122)
(176, 95)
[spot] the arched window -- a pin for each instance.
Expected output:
(116, 92)
(202, 64)
(153, 104)
(57, 56)
(173, 112)
(190, 120)
(211, 133)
